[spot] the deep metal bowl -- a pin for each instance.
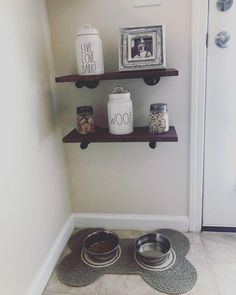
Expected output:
(101, 245)
(152, 249)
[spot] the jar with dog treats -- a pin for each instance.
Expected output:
(85, 120)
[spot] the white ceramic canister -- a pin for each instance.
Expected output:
(120, 112)
(89, 52)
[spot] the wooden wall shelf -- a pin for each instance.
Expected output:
(140, 134)
(150, 77)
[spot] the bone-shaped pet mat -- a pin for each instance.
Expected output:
(176, 276)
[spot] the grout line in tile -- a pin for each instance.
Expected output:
(99, 285)
(55, 292)
(204, 246)
(214, 277)
(209, 263)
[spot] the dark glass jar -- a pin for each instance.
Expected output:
(158, 118)
(85, 120)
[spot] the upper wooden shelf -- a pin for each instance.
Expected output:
(150, 77)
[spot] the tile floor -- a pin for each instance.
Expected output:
(213, 255)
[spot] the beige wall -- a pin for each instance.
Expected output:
(33, 190)
(126, 178)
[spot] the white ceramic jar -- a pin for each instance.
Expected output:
(120, 112)
(89, 52)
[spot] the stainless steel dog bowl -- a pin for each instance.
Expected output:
(101, 246)
(152, 249)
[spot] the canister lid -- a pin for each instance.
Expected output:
(119, 92)
(159, 107)
(84, 109)
(87, 30)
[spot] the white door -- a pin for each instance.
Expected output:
(219, 203)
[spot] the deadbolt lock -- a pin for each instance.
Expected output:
(224, 5)
(222, 39)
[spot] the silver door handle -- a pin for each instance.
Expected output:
(224, 5)
(222, 39)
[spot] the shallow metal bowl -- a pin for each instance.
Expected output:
(152, 249)
(101, 245)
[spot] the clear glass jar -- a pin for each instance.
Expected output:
(85, 120)
(158, 118)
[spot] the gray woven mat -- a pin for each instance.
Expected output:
(178, 279)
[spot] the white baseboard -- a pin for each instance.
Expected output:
(131, 221)
(40, 280)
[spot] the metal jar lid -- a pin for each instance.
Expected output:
(84, 109)
(87, 30)
(159, 107)
(119, 93)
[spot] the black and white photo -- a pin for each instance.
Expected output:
(141, 48)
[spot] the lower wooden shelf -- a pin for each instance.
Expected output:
(140, 134)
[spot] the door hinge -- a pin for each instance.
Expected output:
(207, 38)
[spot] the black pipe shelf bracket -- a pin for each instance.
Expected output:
(150, 81)
(88, 84)
(152, 144)
(84, 145)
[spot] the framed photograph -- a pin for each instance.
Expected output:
(142, 48)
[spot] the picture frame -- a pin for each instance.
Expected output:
(142, 48)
